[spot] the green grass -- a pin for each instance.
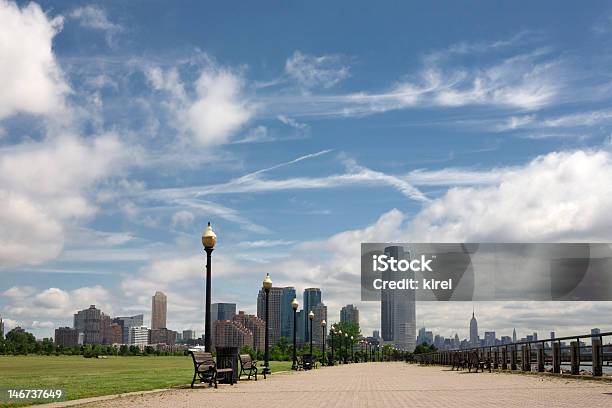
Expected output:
(88, 377)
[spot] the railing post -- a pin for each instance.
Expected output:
(596, 358)
(526, 358)
(504, 365)
(513, 358)
(541, 358)
(496, 358)
(556, 357)
(575, 358)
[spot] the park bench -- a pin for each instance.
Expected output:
(308, 362)
(206, 370)
(248, 366)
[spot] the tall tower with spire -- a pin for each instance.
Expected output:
(514, 335)
(473, 330)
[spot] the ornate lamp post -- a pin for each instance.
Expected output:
(311, 318)
(267, 285)
(346, 348)
(323, 324)
(340, 344)
(295, 306)
(331, 333)
(209, 239)
(352, 349)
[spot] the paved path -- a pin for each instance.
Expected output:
(384, 385)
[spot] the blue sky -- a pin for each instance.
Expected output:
(299, 131)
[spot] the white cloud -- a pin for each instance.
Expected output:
(96, 18)
(217, 111)
(55, 304)
(44, 186)
(32, 81)
(182, 219)
(316, 71)
(558, 196)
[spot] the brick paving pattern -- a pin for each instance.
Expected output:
(384, 385)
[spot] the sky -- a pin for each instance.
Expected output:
(299, 130)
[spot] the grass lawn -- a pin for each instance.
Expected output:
(88, 377)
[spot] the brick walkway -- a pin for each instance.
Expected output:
(384, 385)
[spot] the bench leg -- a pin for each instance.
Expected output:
(194, 378)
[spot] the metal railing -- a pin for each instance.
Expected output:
(583, 351)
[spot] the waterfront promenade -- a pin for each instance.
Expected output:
(384, 385)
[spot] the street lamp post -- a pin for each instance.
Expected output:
(295, 306)
(331, 333)
(209, 239)
(352, 349)
(340, 344)
(323, 324)
(267, 285)
(346, 348)
(311, 318)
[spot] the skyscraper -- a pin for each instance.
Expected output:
(274, 324)
(320, 314)
(126, 323)
(514, 335)
(158, 311)
(473, 330)
(398, 307)
(287, 312)
(350, 314)
(223, 311)
(88, 322)
(188, 335)
(312, 298)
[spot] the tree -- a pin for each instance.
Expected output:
(21, 342)
(341, 342)
(424, 348)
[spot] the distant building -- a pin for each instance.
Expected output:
(138, 336)
(474, 331)
(376, 334)
(595, 333)
(256, 326)
(287, 297)
(159, 309)
(320, 314)
(274, 326)
(126, 322)
(220, 311)
(552, 334)
(349, 314)
(506, 340)
(189, 335)
(398, 307)
(89, 322)
(229, 333)
(489, 338)
(162, 336)
(66, 337)
(300, 334)
(514, 335)
(116, 334)
(312, 298)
